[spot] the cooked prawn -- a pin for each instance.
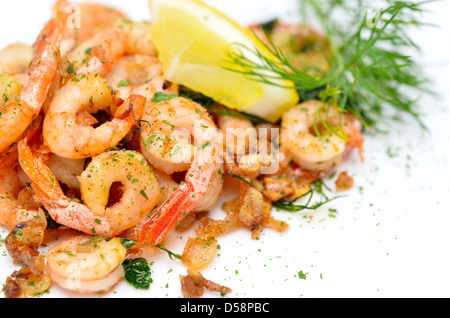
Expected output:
(97, 55)
(240, 136)
(137, 74)
(66, 170)
(129, 168)
(9, 190)
(10, 157)
(18, 113)
(167, 130)
(86, 264)
(250, 150)
(215, 188)
(71, 136)
(138, 37)
(317, 152)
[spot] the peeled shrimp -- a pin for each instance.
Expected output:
(66, 170)
(138, 37)
(10, 157)
(167, 131)
(70, 136)
(241, 146)
(140, 187)
(317, 152)
(97, 55)
(18, 113)
(86, 264)
(137, 74)
(240, 136)
(250, 150)
(128, 168)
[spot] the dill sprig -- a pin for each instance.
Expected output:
(170, 253)
(317, 187)
(372, 74)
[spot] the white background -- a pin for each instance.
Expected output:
(391, 235)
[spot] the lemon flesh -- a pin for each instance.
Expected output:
(194, 42)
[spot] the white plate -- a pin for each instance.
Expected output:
(390, 236)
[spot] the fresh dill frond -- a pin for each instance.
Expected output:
(170, 253)
(372, 74)
(317, 188)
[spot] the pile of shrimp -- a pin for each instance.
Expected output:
(87, 149)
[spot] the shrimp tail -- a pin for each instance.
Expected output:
(132, 109)
(50, 193)
(43, 182)
(167, 216)
(155, 228)
(356, 140)
(10, 157)
(44, 65)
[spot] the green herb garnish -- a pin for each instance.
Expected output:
(317, 187)
(123, 83)
(128, 244)
(371, 70)
(137, 273)
(171, 254)
(239, 177)
(162, 97)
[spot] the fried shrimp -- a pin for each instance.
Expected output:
(103, 154)
(66, 170)
(18, 113)
(311, 151)
(166, 143)
(137, 74)
(68, 126)
(140, 189)
(250, 150)
(86, 264)
(241, 146)
(128, 168)
(138, 37)
(97, 55)
(215, 189)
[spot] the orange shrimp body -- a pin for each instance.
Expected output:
(17, 114)
(168, 150)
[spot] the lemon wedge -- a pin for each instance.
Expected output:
(194, 41)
